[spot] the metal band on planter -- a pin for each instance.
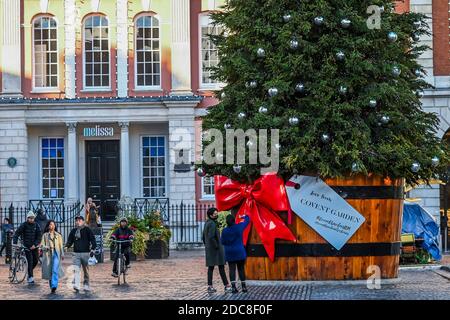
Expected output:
(370, 192)
(326, 250)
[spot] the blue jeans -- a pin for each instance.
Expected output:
(55, 271)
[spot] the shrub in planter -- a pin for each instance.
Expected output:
(158, 236)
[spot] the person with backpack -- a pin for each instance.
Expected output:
(235, 255)
(30, 234)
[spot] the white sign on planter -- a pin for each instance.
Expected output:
(323, 209)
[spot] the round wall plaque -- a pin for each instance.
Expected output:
(12, 162)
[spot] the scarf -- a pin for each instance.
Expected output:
(78, 233)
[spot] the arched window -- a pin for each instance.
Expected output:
(148, 56)
(45, 53)
(96, 52)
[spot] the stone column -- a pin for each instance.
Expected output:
(125, 189)
(72, 163)
(122, 48)
(181, 57)
(70, 14)
(11, 48)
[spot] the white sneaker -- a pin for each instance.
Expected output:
(30, 280)
(87, 288)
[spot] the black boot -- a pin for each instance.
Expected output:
(233, 288)
(244, 287)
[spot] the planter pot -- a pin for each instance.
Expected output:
(376, 243)
(157, 250)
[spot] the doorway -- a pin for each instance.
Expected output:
(103, 176)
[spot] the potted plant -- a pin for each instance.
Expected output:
(158, 236)
(141, 236)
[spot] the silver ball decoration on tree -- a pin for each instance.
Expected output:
(293, 121)
(237, 168)
(318, 21)
(392, 36)
(293, 44)
(373, 103)
(415, 167)
(418, 73)
(415, 37)
(385, 119)
(435, 161)
(273, 92)
(261, 53)
(345, 23)
(343, 90)
(223, 95)
(227, 126)
(300, 87)
(396, 71)
(253, 84)
(340, 56)
(201, 172)
(262, 109)
(420, 93)
(325, 138)
(355, 167)
(417, 24)
(241, 115)
(287, 17)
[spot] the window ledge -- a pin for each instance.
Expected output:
(46, 90)
(148, 89)
(93, 90)
(207, 198)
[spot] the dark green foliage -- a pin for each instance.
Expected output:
(357, 137)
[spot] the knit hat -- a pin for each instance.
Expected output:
(31, 214)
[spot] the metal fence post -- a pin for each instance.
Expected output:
(181, 222)
(9, 238)
(11, 214)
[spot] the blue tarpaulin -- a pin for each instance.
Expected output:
(418, 221)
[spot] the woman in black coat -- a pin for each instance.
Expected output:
(214, 250)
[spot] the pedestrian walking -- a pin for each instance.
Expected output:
(84, 245)
(41, 219)
(6, 227)
(52, 246)
(235, 253)
(30, 234)
(93, 219)
(214, 250)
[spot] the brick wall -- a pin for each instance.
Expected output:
(441, 25)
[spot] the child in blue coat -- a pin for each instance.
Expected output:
(235, 253)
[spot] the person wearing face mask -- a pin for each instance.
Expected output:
(214, 251)
(30, 234)
(84, 245)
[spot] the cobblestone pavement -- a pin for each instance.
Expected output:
(182, 277)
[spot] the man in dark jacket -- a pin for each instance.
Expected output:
(123, 233)
(84, 244)
(6, 227)
(214, 252)
(41, 219)
(30, 234)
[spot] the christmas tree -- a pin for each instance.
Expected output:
(339, 78)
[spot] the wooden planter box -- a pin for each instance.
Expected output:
(157, 250)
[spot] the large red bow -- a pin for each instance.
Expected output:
(261, 201)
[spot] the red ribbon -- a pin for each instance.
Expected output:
(262, 200)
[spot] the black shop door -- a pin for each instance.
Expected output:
(103, 176)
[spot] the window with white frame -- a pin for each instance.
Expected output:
(209, 54)
(153, 167)
(52, 168)
(208, 187)
(148, 55)
(96, 52)
(45, 53)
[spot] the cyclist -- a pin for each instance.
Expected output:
(123, 233)
(31, 235)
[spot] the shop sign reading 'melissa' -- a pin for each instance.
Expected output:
(98, 131)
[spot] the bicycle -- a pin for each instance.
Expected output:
(120, 260)
(18, 268)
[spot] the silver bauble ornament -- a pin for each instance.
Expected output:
(396, 71)
(262, 109)
(385, 119)
(343, 90)
(417, 24)
(325, 138)
(237, 169)
(241, 115)
(373, 103)
(345, 23)
(382, 9)
(415, 167)
(418, 73)
(223, 95)
(355, 167)
(340, 56)
(318, 21)
(201, 172)
(253, 84)
(392, 36)
(415, 37)
(435, 161)
(273, 92)
(261, 53)
(420, 93)
(227, 126)
(300, 87)
(293, 44)
(293, 121)
(287, 17)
